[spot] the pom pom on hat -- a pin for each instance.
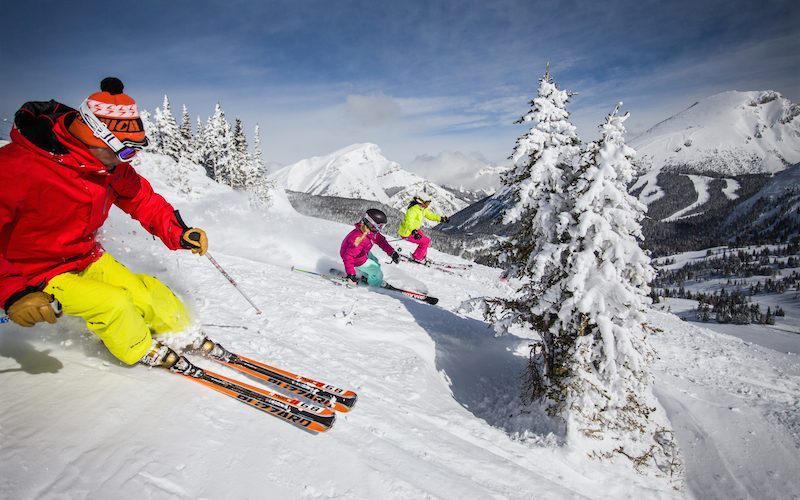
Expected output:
(112, 85)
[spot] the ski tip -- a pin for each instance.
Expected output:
(345, 404)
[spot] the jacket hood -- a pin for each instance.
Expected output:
(35, 121)
(42, 126)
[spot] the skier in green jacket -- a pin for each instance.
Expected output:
(411, 227)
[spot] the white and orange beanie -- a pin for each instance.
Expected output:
(117, 110)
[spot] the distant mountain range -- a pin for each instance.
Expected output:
(706, 175)
(360, 171)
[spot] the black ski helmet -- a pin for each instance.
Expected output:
(374, 219)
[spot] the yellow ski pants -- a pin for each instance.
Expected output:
(121, 307)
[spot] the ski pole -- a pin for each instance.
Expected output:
(225, 326)
(236, 286)
(338, 280)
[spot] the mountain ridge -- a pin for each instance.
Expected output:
(360, 171)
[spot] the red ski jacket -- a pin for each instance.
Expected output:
(55, 195)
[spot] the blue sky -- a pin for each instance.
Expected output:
(414, 77)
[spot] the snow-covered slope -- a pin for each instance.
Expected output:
(361, 171)
(775, 209)
(725, 135)
(731, 133)
(351, 172)
(438, 414)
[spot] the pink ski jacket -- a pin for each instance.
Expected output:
(353, 255)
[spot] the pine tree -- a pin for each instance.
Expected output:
(537, 179)
(259, 186)
(207, 159)
(198, 144)
(536, 184)
(185, 135)
(240, 169)
(598, 366)
(149, 130)
(167, 131)
(181, 177)
(217, 147)
(258, 154)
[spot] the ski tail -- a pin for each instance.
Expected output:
(338, 280)
(414, 295)
(441, 266)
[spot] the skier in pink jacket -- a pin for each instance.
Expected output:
(355, 250)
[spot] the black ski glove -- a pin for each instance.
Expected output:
(352, 280)
(445, 218)
(395, 257)
(416, 235)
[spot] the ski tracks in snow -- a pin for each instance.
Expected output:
(701, 184)
(735, 409)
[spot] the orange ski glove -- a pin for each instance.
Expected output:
(195, 239)
(31, 309)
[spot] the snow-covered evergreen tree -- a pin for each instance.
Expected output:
(198, 144)
(262, 190)
(593, 302)
(538, 177)
(149, 130)
(217, 147)
(593, 361)
(168, 142)
(181, 175)
(185, 135)
(241, 165)
(258, 154)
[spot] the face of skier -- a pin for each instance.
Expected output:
(106, 156)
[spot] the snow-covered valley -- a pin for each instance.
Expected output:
(438, 413)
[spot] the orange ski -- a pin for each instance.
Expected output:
(308, 388)
(306, 415)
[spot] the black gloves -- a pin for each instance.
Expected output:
(352, 280)
(395, 257)
(416, 234)
(445, 218)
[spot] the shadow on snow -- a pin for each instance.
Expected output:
(484, 373)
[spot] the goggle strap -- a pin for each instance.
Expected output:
(372, 223)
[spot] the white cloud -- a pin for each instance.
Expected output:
(372, 110)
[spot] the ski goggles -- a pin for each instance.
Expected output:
(125, 150)
(371, 224)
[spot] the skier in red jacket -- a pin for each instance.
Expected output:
(58, 179)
